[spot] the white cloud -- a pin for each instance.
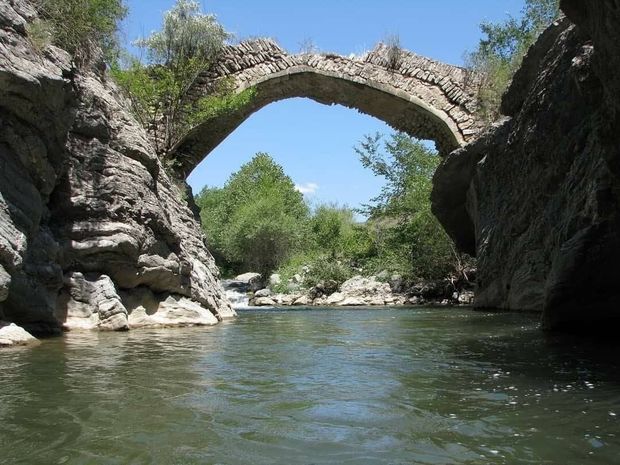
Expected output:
(308, 188)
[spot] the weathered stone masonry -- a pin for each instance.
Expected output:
(422, 97)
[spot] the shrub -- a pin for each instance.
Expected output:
(501, 51)
(82, 27)
(394, 52)
(161, 90)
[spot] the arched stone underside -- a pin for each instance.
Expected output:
(422, 97)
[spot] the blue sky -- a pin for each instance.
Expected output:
(314, 143)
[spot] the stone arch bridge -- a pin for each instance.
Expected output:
(422, 97)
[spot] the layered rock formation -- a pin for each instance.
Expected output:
(88, 216)
(537, 197)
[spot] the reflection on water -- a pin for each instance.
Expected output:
(380, 386)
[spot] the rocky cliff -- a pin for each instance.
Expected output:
(93, 231)
(537, 197)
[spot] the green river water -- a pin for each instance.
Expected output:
(315, 386)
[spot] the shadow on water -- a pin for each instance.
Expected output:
(513, 343)
(321, 386)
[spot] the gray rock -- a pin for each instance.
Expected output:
(303, 301)
(91, 301)
(248, 278)
(378, 300)
(5, 282)
(536, 198)
(82, 191)
(396, 283)
(335, 298)
(145, 309)
(13, 335)
(285, 299)
(264, 302)
(383, 276)
(358, 286)
(275, 279)
(351, 302)
(263, 293)
(466, 298)
(253, 281)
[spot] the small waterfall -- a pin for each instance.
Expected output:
(236, 293)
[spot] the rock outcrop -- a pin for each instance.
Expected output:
(537, 198)
(12, 335)
(88, 215)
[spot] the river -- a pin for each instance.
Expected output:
(315, 386)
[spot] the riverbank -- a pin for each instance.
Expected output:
(247, 290)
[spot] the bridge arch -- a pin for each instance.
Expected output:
(424, 98)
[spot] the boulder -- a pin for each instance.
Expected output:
(358, 286)
(285, 299)
(13, 335)
(147, 310)
(466, 298)
(275, 279)
(248, 278)
(263, 293)
(304, 300)
(396, 283)
(351, 302)
(335, 298)
(263, 302)
(91, 301)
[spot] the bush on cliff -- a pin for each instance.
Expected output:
(80, 26)
(160, 89)
(500, 52)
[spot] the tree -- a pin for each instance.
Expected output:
(257, 219)
(160, 90)
(400, 218)
(331, 227)
(82, 27)
(501, 51)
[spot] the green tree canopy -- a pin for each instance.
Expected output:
(257, 219)
(400, 218)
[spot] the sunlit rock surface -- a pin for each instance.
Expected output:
(83, 194)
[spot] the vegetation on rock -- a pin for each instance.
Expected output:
(160, 88)
(82, 27)
(501, 52)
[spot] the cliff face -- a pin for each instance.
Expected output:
(93, 232)
(537, 197)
